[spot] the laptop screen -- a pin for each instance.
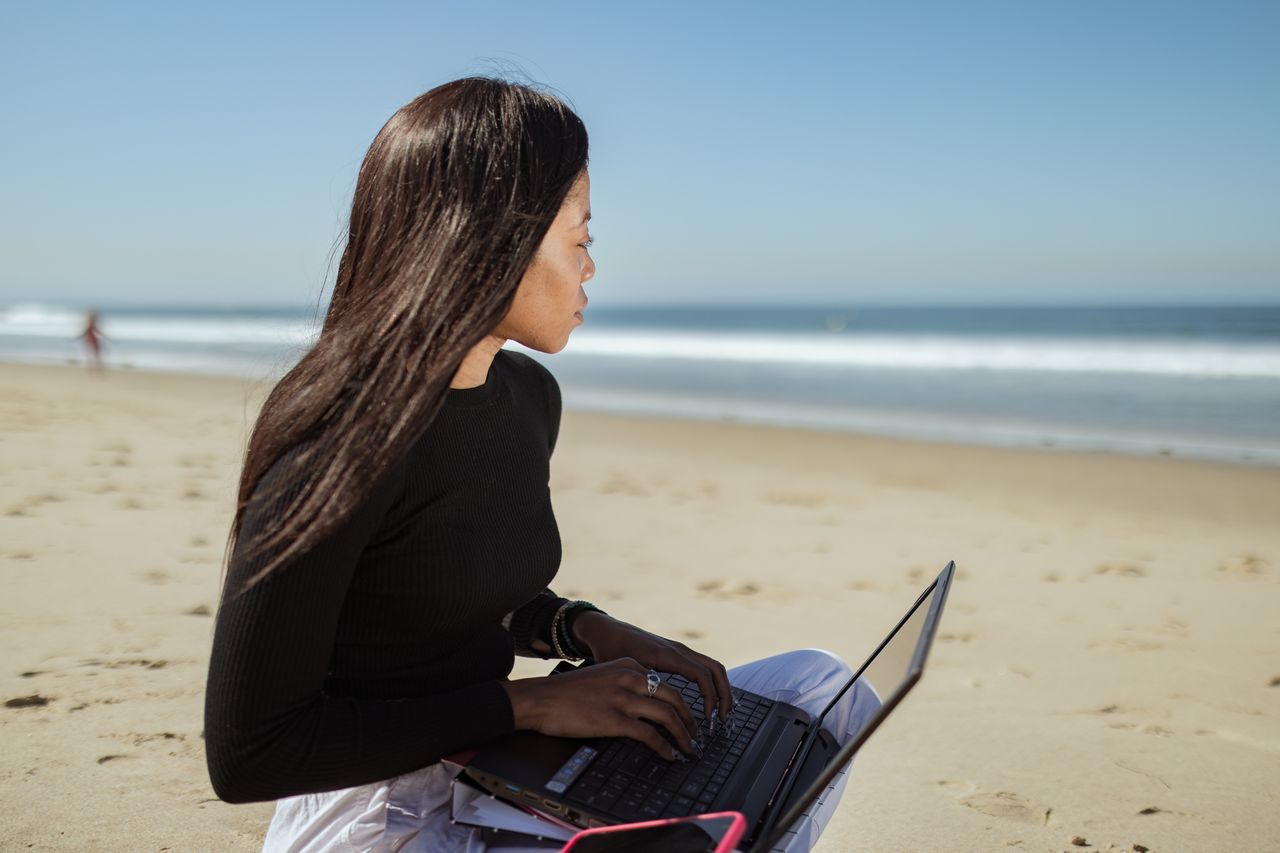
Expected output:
(894, 664)
(891, 670)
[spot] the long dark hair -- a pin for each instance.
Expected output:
(453, 198)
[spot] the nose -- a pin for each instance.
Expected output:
(588, 270)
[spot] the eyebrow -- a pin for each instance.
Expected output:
(586, 218)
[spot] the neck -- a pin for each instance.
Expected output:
(474, 369)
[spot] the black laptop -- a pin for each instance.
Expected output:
(772, 767)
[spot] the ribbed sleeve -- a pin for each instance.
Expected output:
(533, 622)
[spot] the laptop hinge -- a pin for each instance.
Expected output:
(769, 807)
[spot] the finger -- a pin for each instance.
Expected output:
(707, 687)
(665, 693)
(629, 675)
(646, 734)
(689, 663)
(624, 666)
(656, 711)
(674, 722)
(672, 697)
(721, 678)
(713, 682)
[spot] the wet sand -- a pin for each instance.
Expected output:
(1106, 674)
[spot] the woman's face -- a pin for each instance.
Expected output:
(549, 300)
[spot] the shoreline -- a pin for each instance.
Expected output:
(1015, 438)
(1105, 668)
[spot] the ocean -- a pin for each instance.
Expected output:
(1200, 382)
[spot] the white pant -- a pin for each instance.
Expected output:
(410, 813)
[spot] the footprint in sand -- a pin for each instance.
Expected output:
(1128, 644)
(1125, 570)
(1246, 566)
(193, 493)
(1148, 713)
(806, 500)
(138, 738)
(197, 541)
(1010, 806)
(128, 663)
(35, 700)
(130, 503)
(199, 610)
(25, 507)
(1274, 682)
(155, 576)
(716, 587)
(620, 484)
(1158, 731)
(1174, 627)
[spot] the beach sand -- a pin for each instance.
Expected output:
(1106, 677)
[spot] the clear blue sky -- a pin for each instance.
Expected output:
(802, 152)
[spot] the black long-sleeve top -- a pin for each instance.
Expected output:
(383, 648)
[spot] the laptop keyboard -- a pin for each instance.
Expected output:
(628, 780)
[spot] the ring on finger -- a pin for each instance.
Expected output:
(653, 681)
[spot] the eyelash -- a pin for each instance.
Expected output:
(590, 242)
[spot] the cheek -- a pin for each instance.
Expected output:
(558, 286)
(559, 269)
(539, 302)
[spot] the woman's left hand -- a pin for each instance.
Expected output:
(609, 639)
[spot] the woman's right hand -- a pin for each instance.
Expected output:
(604, 700)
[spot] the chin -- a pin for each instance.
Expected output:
(550, 347)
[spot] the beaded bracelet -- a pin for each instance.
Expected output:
(560, 650)
(571, 613)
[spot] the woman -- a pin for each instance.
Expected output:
(93, 337)
(394, 539)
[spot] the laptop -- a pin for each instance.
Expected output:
(772, 767)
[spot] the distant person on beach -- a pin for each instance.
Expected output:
(393, 539)
(92, 337)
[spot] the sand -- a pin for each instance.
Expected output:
(1107, 673)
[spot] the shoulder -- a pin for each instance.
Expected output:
(528, 371)
(533, 383)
